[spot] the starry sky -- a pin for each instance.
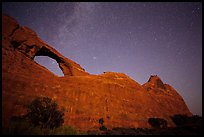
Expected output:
(138, 39)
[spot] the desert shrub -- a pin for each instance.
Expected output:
(196, 119)
(101, 121)
(184, 120)
(180, 120)
(102, 127)
(44, 112)
(157, 122)
(65, 130)
(21, 126)
(43, 118)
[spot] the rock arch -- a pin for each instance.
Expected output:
(65, 67)
(27, 42)
(49, 63)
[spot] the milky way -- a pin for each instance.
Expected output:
(138, 39)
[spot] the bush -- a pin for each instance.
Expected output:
(65, 130)
(21, 126)
(101, 121)
(157, 122)
(102, 127)
(183, 120)
(44, 112)
(43, 118)
(180, 120)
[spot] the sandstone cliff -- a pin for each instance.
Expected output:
(121, 101)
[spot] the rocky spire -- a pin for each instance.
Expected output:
(156, 81)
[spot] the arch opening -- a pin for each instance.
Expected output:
(50, 64)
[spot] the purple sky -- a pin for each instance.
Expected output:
(138, 39)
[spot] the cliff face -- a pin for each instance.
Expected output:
(118, 99)
(165, 95)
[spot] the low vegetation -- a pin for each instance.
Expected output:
(157, 122)
(102, 126)
(183, 120)
(45, 113)
(184, 126)
(24, 127)
(44, 118)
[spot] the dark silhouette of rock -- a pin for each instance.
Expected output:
(115, 97)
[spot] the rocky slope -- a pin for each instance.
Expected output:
(119, 100)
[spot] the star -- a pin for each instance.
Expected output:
(130, 35)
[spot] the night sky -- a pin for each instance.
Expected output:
(138, 39)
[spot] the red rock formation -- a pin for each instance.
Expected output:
(171, 102)
(118, 99)
(27, 42)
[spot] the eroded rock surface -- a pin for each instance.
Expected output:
(166, 96)
(27, 42)
(115, 97)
